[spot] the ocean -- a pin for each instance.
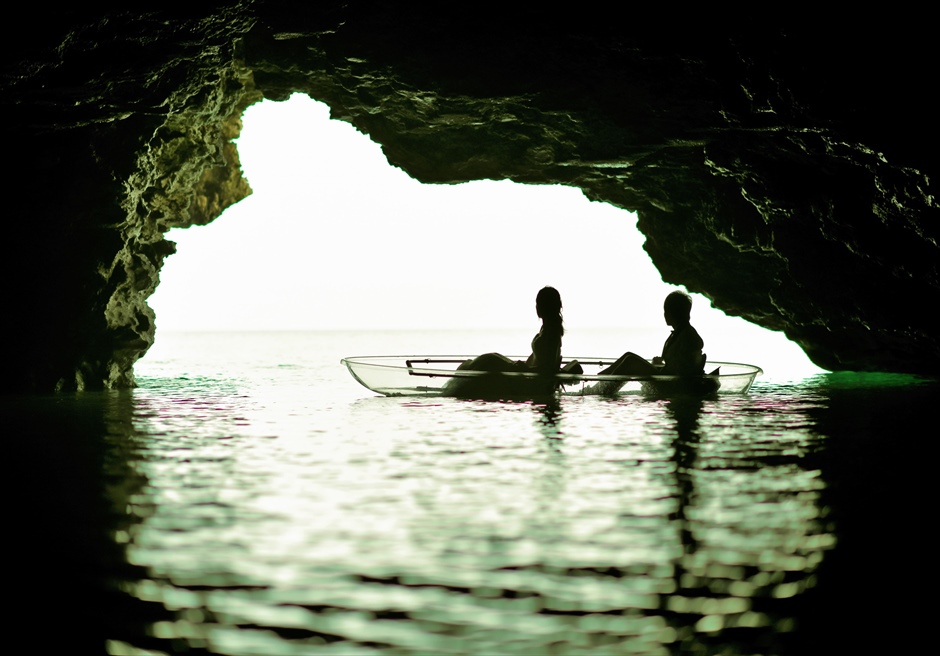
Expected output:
(250, 498)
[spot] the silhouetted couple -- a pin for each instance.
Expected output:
(681, 356)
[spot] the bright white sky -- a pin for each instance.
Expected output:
(334, 237)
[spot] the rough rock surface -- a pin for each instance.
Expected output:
(788, 174)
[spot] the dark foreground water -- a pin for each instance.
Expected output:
(250, 498)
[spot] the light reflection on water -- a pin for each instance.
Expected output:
(465, 527)
(268, 514)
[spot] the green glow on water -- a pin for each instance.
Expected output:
(859, 379)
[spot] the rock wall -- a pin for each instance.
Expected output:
(784, 173)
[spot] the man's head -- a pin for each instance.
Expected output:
(677, 308)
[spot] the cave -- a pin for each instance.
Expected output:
(785, 172)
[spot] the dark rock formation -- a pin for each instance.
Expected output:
(784, 173)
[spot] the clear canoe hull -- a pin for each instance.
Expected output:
(437, 375)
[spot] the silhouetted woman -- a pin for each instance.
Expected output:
(546, 345)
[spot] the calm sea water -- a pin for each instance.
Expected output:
(251, 498)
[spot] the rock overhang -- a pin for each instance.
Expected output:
(770, 171)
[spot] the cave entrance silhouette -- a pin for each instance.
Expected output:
(333, 237)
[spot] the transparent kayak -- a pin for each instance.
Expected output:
(437, 375)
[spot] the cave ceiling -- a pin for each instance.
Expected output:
(785, 172)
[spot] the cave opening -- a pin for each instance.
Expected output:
(335, 238)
